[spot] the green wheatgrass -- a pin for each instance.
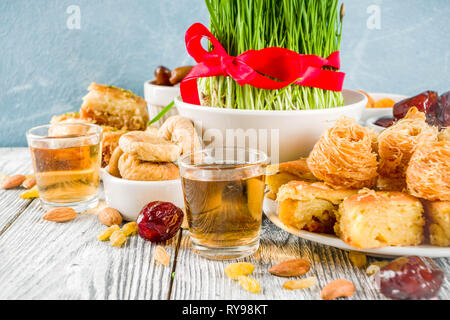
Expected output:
(304, 26)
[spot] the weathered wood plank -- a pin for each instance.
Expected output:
(45, 260)
(198, 278)
(13, 161)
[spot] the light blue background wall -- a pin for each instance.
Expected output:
(45, 67)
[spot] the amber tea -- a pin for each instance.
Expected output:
(224, 207)
(67, 167)
(224, 213)
(67, 175)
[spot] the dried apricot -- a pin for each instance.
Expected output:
(130, 229)
(300, 283)
(104, 236)
(235, 270)
(249, 284)
(117, 238)
(384, 103)
(357, 258)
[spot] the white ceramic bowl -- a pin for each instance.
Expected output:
(129, 197)
(283, 135)
(158, 97)
(381, 112)
(371, 115)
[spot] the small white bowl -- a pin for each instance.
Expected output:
(381, 112)
(371, 115)
(158, 97)
(129, 196)
(297, 131)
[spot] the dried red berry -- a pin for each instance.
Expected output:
(410, 278)
(159, 221)
(422, 102)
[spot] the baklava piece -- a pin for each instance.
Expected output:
(377, 219)
(280, 174)
(310, 206)
(438, 216)
(115, 107)
(110, 142)
(64, 117)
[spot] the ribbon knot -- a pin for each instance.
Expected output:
(269, 68)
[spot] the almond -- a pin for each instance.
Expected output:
(337, 289)
(291, 268)
(29, 182)
(60, 215)
(13, 181)
(110, 216)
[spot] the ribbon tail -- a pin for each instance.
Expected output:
(188, 86)
(323, 79)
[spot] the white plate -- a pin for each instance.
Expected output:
(270, 210)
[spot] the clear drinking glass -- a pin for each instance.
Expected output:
(66, 159)
(223, 192)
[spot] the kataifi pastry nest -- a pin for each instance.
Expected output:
(397, 143)
(428, 173)
(344, 156)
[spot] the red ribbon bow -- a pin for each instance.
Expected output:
(254, 67)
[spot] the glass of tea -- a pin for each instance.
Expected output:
(66, 159)
(223, 192)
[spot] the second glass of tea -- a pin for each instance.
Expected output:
(223, 192)
(66, 159)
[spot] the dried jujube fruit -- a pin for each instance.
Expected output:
(159, 221)
(422, 102)
(410, 278)
(162, 76)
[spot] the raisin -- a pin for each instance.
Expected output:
(130, 229)
(117, 238)
(358, 259)
(234, 270)
(30, 193)
(300, 283)
(161, 256)
(104, 236)
(249, 284)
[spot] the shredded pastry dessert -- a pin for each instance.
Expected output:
(428, 173)
(397, 143)
(344, 156)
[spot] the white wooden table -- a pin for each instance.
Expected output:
(45, 260)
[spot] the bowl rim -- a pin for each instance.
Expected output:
(149, 84)
(359, 104)
(138, 182)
